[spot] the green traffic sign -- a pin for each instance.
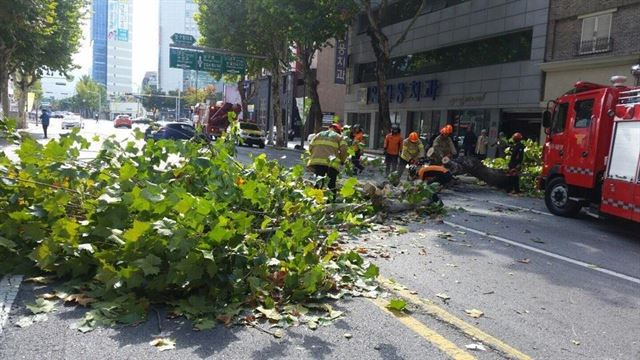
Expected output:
(235, 64)
(206, 61)
(183, 39)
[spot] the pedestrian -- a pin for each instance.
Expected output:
(357, 140)
(515, 164)
(443, 146)
(482, 145)
(501, 145)
(329, 151)
(97, 116)
(412, 151)
(469, 142)
(392, 148)
(45, 121)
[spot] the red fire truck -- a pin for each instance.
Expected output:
(591, 157)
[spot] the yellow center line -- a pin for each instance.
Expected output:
(433, 337)
(442, 314)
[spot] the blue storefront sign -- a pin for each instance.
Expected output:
(402, 91)
(122, 35)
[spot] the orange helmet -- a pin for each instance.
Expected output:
(517, 136)
(337, 127)
(447, 130)
(413, 137)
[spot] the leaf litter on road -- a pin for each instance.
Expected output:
(397, 304)
(30, 320)
(476, 347)
(524, 261)
(41, 306)
(474, 313)
(443, 296)
(163, 344)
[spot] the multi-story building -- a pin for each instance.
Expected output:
(99, 39)
(119, 46)
(150, 80)
(590, 40)
(112, 44)
(57, 87)
(177, 16)
(472, 63)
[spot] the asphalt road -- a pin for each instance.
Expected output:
(549, 287)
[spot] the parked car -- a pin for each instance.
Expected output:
(71, 120)
(122, 121)
(170, 131)
(251, 134)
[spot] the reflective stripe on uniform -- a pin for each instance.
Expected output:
(322, 142)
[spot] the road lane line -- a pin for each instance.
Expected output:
(431, 336)
(443, 315)
(547, 253)
(503, 204)
(9, 286)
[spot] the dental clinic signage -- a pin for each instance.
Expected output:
(398, 93)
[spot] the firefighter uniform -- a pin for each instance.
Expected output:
(328, 150)
(442, 146)
(412, 150)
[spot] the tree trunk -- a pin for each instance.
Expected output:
(315, 110)
(4, 88)
(243, 99)
(277, 109)
(22, 102)
(383, 95)
(474, 167)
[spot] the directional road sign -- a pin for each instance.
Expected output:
(183, 39)
(188, 59)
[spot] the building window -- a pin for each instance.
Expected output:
(495, 50)
(405, 10)
(596, 34)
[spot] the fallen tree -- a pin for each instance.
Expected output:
(472, 166)
(183, 225)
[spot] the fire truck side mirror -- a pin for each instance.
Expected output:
(546, 118)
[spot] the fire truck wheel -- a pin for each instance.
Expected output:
(556, 197)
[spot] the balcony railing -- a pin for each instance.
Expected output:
(595, 46)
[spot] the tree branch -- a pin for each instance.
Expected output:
(406, 31)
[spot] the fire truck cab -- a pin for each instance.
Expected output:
(591, 157)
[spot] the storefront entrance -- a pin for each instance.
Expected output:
(527, 123)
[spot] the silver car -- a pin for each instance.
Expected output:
(71, 120)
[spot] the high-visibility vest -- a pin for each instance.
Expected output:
(328, 148)
(412, 150)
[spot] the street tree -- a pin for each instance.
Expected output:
(313, 24)
(20, 22)
(192, 97)
(257, 27)
(375, 13)
(90, 95)
(48, 47)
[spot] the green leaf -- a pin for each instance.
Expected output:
(127, 171)
(348, 188)
(372, 272)
(149, 265)
(41, 306)
(397, 304)
(8, 244)
(138, 229)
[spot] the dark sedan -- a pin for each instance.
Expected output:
(171, 131)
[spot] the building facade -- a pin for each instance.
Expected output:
(590, 40)
(150, 80)
(99, 38)
(119, 46)
(177, 16)
(472, 63)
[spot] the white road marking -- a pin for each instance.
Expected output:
(547, 253)
(505, 205)
(9, 286)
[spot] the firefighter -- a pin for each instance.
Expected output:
(515, 164)
(329, 150)
(412, 151)
(443, 146)
(357, 140)
(392, 148)
(435, 173)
